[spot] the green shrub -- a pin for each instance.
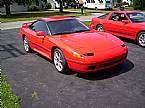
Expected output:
(139, 4)
(118, 5)
(33, 8)
(48, 6)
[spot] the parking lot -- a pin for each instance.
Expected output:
(39, 85)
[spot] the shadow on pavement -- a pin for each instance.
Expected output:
(128, 41)
(70, 71)
(10, 51)
(109, 73)
(103, 74)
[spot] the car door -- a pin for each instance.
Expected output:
(36, 41)
(116, 25)
(46, 43)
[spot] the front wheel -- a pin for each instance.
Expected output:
(59, 61)
(100, 28)
(141, 39)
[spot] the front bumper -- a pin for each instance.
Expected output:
(93, 67)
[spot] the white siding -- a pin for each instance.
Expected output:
(15, 8)
(20, 8)
(52, 3)
(127, 1)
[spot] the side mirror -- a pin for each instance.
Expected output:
(40, 34)
(126, 21)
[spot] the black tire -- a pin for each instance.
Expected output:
(26, 45)
(140, 39)
(60, 62)
(100, 27)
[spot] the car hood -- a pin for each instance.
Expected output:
(89, 42)
(140, 24)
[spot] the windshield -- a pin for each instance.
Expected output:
(66, 26)
(136, 17)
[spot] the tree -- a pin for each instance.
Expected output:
(7, 3)
(139, 4)
(61, 2)
(119, 1)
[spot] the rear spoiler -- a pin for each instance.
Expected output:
(25, 25)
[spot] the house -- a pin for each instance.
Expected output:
(15, 7)
(22, 7)
(128, 1)
(53, 3)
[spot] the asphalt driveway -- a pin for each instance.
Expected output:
(39, 85)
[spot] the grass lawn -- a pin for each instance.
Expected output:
(23, 16)
(129, 8)
(97, 11)
(89, 10)
(87, 23)
(7, 98)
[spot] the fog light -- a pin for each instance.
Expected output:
(123, 45)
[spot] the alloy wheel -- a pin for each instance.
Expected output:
(58, 61)
(141, 39)
(26, 44)
(100, 28)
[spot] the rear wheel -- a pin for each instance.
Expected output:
(100, 28)
(26, 44)
(141, 39)
(60, 61)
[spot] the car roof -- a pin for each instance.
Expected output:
(55, 18)
(125, 11)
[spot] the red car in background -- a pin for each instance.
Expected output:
(128, 24)
(72, 45)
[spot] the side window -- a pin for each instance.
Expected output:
(39, 26)
(114, 17)
(118, 17)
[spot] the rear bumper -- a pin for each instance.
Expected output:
(93, 67)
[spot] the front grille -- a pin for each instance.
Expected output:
(91, 67)
(110, 63)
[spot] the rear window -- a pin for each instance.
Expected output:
(103, 16)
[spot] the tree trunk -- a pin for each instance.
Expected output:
(61, 6)
(7, 8)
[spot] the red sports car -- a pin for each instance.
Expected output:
(128, 24)
(72, 45)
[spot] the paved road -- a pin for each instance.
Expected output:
(39, 85)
